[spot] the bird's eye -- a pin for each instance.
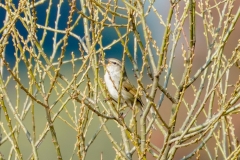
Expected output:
(114, 63)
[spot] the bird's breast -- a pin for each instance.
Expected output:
(112, 84)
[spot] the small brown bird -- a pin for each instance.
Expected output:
(112, 79)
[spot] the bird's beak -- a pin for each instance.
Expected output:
(103, 62)
(106, 61)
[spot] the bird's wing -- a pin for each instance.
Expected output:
(130, 88)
